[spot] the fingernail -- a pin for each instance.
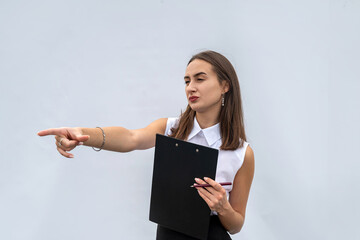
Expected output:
(81, 143)
(197, 179)
(71, 156)
(206, 178)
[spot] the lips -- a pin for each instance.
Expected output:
(193, 98)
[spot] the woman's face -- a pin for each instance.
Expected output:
(203, 89)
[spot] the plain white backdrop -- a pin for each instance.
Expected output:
(121, 63)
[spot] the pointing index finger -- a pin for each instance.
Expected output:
(51, 131)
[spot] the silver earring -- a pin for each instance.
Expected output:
(223, 101)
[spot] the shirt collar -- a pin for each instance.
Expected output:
(212, 134)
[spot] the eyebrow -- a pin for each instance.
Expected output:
(195, 75)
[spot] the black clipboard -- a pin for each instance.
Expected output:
(174, 204)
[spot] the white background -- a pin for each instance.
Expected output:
(121, 63)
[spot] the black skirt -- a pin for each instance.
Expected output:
(216, 232)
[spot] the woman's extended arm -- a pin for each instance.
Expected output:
(117, 138)
(231, 213)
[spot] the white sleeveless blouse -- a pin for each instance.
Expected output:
(229, 161)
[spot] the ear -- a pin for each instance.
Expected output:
(225, 86)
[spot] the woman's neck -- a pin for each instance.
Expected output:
(206, 120)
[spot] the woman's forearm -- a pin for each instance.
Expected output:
(120, 139)
(117, 139)
(231, 220)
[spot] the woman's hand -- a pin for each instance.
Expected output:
(214, 196)
(66, 139)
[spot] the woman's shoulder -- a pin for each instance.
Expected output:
(172, 122)
(243, 150)
(243, 146)
(246, 148)
(249, 153)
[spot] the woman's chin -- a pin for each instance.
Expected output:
(197, 109)
(194, 107)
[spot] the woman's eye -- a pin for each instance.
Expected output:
(200, 79)
(187, 82)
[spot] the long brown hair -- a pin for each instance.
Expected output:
(231, 114)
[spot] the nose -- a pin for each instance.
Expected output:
(191, 87)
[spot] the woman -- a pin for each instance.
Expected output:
(213, 118)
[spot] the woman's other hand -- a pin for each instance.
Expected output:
(66, 139)
(214, 196)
